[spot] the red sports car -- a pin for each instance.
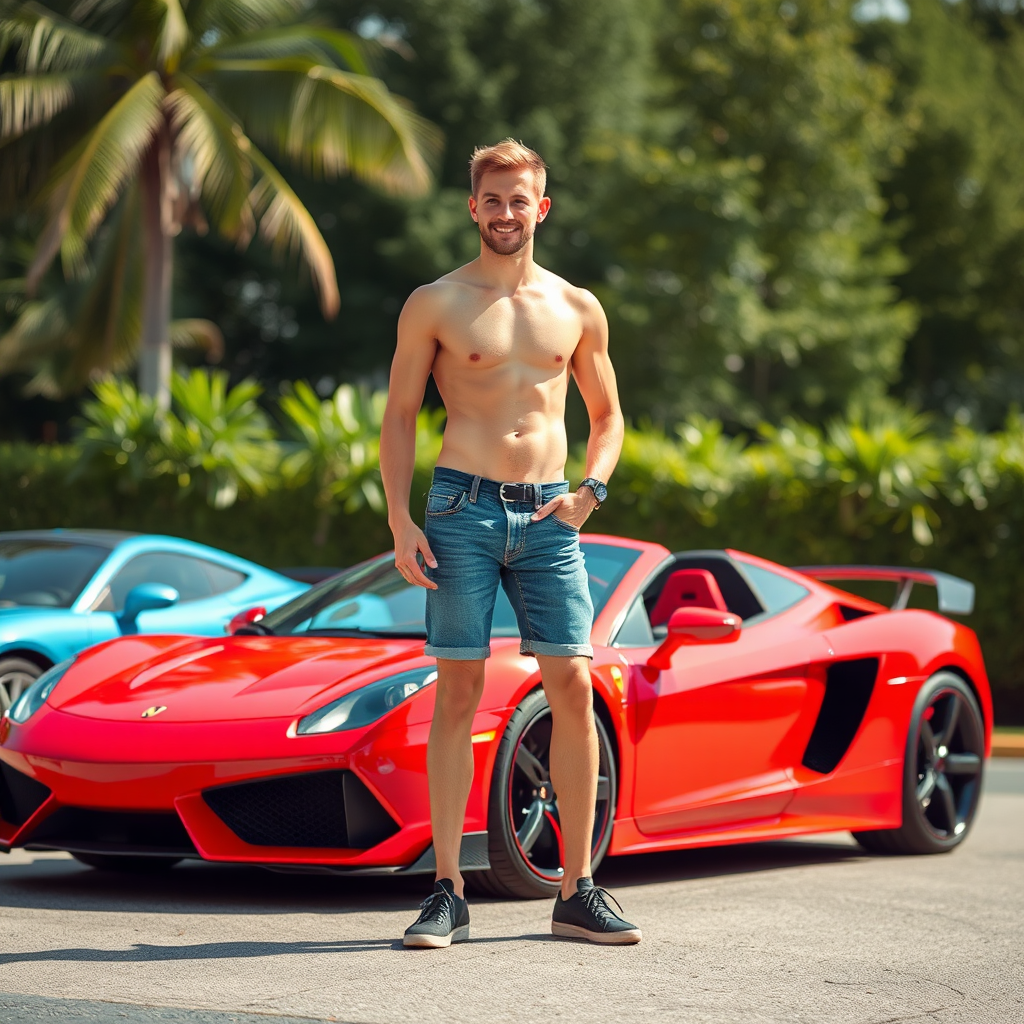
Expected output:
(736, 700)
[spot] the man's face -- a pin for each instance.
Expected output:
(507, 209)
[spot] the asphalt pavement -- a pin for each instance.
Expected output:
(808, 931)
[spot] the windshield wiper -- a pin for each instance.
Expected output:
(254, 629)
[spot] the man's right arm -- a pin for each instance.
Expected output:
(414, 357)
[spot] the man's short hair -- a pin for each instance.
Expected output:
(507, 155)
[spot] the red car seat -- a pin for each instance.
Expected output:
(687, 588)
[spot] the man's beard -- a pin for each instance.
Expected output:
(506, 245)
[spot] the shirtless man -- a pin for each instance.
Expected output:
(501, 336)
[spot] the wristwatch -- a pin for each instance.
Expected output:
(598, 488)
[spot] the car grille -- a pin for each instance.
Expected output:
(20, 795)
(85, 830)
(331, 809)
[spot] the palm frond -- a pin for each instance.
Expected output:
(318, 44)
(236, 17)
(195, 333)
(28, 101)
(216, 146)
(174, 33)
(331, 122)
(289, 227)
(36, 334)
(82, 328)
(44, 42)
(110, 156)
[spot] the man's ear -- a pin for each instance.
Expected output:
(542, 208)
(472, 207)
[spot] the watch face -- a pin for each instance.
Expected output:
(600, 492)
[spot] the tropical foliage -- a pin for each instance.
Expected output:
(128, 121)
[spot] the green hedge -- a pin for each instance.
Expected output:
(795, 495)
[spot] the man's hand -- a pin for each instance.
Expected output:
(573, 508)
(410, 541)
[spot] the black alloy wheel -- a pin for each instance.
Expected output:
(945, 763)
(16, 676)
(125, 863)
(524, 831)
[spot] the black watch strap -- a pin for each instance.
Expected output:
(597, 487)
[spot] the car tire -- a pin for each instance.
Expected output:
(521, 776)
(16, 676)
(127, 864)
(943, 769)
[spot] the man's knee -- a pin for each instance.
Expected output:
(459, 686)
(568, 686)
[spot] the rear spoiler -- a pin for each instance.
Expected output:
(956, 596)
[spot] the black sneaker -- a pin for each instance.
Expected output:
(443, 920)
(586, 915)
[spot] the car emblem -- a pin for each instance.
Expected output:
(155, 710)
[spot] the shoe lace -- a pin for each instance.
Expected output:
(595, 902)
(436, 906)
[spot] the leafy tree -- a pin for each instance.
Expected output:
(959, 201)
(754, 262)
(132, 119)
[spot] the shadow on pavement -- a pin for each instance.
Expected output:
(715, 861)
(143, 952)
(197, 888)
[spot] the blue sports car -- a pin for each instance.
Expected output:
(63, 590)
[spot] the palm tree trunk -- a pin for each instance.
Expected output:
(155, 352)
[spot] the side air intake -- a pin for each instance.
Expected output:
(848, 688)
(20, 795)
(328, 809)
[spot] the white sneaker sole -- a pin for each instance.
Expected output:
(437, 941)
(574, 931)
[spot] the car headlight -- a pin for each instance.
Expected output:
(35, 696)
(367, 704)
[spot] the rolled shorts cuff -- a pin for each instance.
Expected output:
(457, 653)
(556, 650)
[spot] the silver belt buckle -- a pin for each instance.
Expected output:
(501, 493)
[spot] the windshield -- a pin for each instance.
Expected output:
(373, 599)
(46, 573)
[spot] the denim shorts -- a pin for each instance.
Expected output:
(480, 540)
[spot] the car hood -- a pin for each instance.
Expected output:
(230, 678)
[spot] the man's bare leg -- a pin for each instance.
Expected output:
(450, 759)
(574, 759)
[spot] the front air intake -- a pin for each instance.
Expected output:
(328, 809)
(87, 830)
(20, 795)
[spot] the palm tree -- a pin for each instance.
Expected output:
(127, 119)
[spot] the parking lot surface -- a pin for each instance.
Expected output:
(803, 931)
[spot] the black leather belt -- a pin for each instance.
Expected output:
(520, 492)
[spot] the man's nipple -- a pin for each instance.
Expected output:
(558, 359)
(475, 357)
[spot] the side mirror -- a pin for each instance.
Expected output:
(246, 618)
(143, 598)
(695, 626)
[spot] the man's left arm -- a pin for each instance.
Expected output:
(595, 377)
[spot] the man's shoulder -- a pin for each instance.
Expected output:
(445, 289)
(580, 298)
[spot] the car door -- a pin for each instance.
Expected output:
(204, 592)
(719, 732)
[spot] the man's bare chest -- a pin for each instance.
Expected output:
(536, 332)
